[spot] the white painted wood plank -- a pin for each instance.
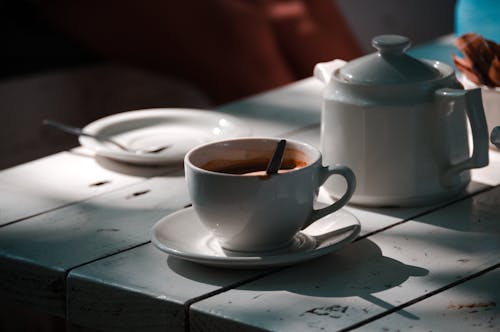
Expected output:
(59, 240)
(141, 289)
(58, 180)
(90, 288)
(99, 282)
(135, 284)
(281, 110)
(471, 306)
(490, 174)
(366, 278)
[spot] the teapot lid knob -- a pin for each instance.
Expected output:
(391, 44)
(390, 65)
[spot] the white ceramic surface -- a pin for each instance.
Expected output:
(180, 129)
(259, 212)
(406, 142)
(491, 103)
(389, 65)
(181, 234)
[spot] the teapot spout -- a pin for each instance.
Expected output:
(324, 70)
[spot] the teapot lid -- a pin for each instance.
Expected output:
(390, 65)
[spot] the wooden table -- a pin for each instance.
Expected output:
(75, 244)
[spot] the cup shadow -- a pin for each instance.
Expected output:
(358, 270)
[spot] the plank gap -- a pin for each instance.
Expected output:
(99, 183)
(107, 255)
(139, 193)
(221, 290)
(420, 298)
(421, 214)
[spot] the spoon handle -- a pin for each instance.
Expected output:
(275, 163)
(79, 132)
(65, 128)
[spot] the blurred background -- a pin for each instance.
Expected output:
(30, 45)
(421, 20)
(58, 62)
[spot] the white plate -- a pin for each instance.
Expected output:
(179, 129)
(181, 234)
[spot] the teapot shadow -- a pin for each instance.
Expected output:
(476, 214)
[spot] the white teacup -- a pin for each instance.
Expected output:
(248, 210)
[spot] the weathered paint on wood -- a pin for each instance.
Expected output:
(141, 289)
(471, 306)
(138, 273)
(366, 278)
(89, 279)
(58, 180)
(60, 240)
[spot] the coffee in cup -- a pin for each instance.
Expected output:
(255, 166)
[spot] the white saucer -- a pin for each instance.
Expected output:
(179, 129)
(181, 234)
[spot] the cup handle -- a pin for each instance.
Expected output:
(475, 113)
(325, 173)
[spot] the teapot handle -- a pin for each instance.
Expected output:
(475, 112)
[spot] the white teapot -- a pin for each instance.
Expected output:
(399, 123)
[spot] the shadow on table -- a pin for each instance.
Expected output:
(477, 214)
(435, 214)
(17, 317)
(138, 170)
(131, 169)
(358, 270)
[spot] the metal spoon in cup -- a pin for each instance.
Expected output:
(275, 162)
(79, 132)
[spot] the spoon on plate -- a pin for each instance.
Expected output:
(275, 162)
(79, 132)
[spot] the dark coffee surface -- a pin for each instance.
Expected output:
(254, 166)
